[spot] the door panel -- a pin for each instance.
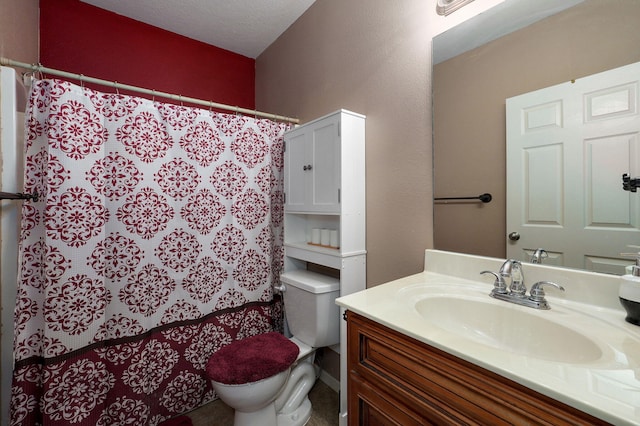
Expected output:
(544, 184)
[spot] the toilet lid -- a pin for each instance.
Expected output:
(252, 359)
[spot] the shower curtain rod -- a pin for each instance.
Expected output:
(116, 85)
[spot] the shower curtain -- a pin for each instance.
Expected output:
(156, 240)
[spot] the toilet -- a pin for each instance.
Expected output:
(266, 379)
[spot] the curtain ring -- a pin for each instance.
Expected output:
(153, 95)
(38, 69)
(115, 84)
(180, 98)
(82, 81)
(28, 78)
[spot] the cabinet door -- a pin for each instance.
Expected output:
(295, 170)
(369, 406)
(325, 162)
(312, 167)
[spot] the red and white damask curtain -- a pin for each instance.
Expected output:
(156, 240)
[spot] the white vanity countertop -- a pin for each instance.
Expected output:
(607, 388)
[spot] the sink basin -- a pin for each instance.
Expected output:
(507, 327)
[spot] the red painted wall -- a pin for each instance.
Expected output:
(84, 39)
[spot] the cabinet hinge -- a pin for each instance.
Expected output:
(284, 195)
(284, 146)
(338, 195)
(339, 128)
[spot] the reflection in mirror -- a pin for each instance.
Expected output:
(446, 7)
(469, 93)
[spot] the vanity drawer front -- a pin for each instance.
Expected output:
(430, 380)
(378, 408)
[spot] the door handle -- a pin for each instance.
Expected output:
(514, 236)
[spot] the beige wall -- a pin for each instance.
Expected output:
(19, 30)
(469, 115)
(19, 33)
(372, 57)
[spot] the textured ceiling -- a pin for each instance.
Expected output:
(246, 27)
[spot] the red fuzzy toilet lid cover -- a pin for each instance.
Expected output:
(252, 359)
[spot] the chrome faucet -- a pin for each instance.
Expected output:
(512, 269)
(517, 291)
(538, 255)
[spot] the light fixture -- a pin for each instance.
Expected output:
(445, 7)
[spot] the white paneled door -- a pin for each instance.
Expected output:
(567, 149)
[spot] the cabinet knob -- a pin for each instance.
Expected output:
(307, 167)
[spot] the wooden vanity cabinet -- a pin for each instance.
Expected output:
(396, 380)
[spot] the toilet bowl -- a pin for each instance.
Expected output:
(249, 374)
(292, 406)
(253, 402)
(266, 379)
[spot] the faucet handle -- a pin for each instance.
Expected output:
(499, 286)
(537, 292)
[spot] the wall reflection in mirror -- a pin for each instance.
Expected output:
(577, 39)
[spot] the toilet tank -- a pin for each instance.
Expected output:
(310, 308)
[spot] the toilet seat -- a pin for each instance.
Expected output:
(252, 359)
(303, 347)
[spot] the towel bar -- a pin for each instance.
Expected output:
(485, 198)
(18, 196)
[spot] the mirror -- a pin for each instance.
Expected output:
(506, 51)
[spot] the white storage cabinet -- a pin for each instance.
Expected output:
(324, 171)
